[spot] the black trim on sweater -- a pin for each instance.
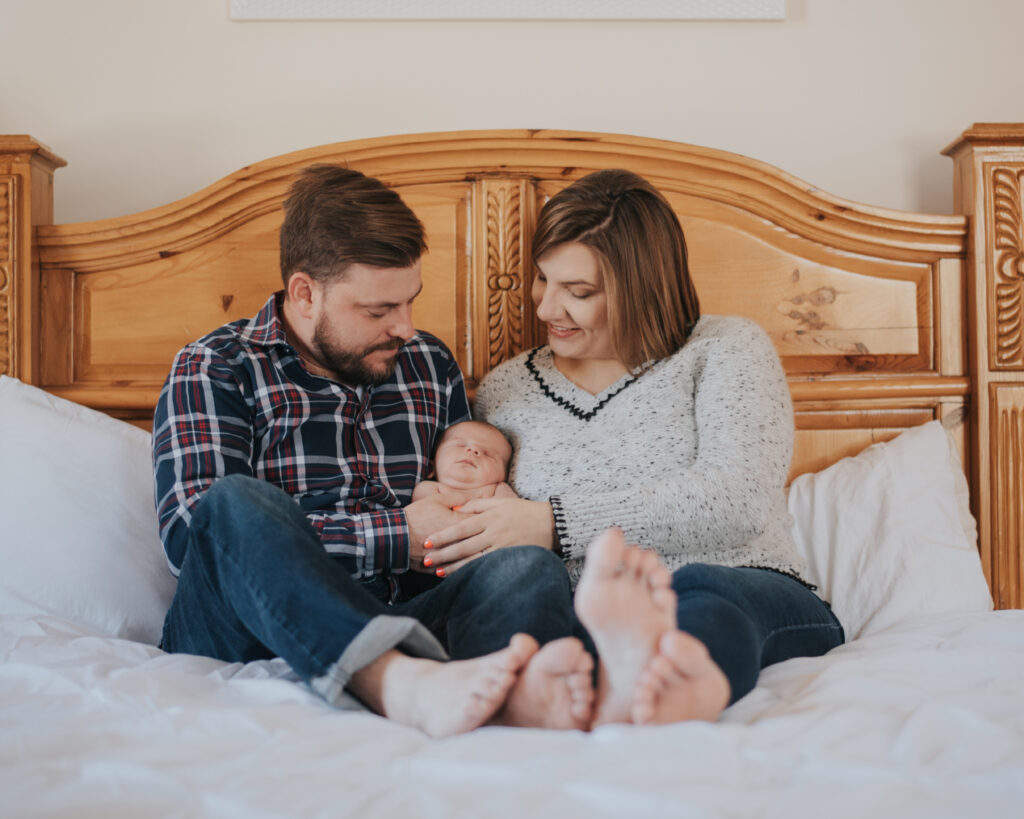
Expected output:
(561, 530)
(568, 405)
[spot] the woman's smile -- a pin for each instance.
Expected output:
(561, 332)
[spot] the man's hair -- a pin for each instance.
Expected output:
(641, 252)
(335, 217)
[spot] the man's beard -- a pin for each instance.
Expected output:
(351, 367)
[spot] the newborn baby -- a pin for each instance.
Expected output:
(471, 461)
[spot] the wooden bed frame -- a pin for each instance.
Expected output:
(884, 319)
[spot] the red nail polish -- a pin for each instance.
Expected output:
(456, 508)
(439, 572)
(428, 544)
(428, 562)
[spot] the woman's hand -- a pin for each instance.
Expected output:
(490, 523)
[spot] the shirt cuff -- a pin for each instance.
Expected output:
(561, 531)
(386, 538)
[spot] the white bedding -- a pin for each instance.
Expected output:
(921, 714)
(923, 719)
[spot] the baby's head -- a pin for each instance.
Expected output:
(471, 454)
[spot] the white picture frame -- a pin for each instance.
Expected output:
(252, 10)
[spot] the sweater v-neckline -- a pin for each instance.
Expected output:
(568, 395)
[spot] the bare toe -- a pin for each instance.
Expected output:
(605, 554)
(554, 690)
(520, 649)
(665, 599)
(659, 577)
(443, 699)
(649, 564)
(681, 682)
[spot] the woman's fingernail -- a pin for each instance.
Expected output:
(456, 508)
(428, 544)
(439, 572)
(428, 562)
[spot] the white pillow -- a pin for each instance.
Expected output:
(79, 529)
(886, 534)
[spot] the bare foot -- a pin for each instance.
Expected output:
(554, 691)
(443, 699)
(681, 682)
(624, 600)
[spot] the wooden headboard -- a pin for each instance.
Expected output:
(884, 319)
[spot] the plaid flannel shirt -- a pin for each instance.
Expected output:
(239, 401)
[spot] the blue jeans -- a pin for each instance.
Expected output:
(257, 583)
(748, 619)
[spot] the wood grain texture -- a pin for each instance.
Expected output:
(1007, 403)
(6, 261)
(26, 185)
(989, 166)
(883, 319)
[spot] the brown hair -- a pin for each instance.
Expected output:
(335, 217)
(641, 251)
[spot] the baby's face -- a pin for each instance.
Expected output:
(472, 454)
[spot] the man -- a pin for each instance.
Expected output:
(286, 449)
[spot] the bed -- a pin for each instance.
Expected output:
(902, 335)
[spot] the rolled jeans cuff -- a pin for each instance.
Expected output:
(379, 636)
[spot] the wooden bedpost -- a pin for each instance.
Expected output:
(26, 200)
(989, 190)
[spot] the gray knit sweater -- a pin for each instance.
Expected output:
(688, 456)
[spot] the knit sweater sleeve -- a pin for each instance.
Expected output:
(729, 494)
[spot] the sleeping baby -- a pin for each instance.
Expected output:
(471, 461)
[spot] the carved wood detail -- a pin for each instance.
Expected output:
(504, 274)
(1007, 265)
(1008, 473)
(7, 233)
(748, 219)
(420, 159)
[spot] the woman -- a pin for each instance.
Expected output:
(641, 414)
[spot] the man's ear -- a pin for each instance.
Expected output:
(301, 291)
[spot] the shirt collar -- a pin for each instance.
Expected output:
(265, 329)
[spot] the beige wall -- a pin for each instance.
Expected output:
(150, 100)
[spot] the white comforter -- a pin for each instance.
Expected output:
(925, 719)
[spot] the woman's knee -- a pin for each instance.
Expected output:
(701, 577)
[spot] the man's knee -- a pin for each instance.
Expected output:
(529, 562)
(243, 498)
(518, 589)
(518, 567)
(233, 489)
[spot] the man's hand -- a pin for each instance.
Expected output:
(423, 517)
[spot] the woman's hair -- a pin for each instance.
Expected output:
(641, 252)
(335, 217)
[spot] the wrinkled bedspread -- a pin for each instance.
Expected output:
(925, 719)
